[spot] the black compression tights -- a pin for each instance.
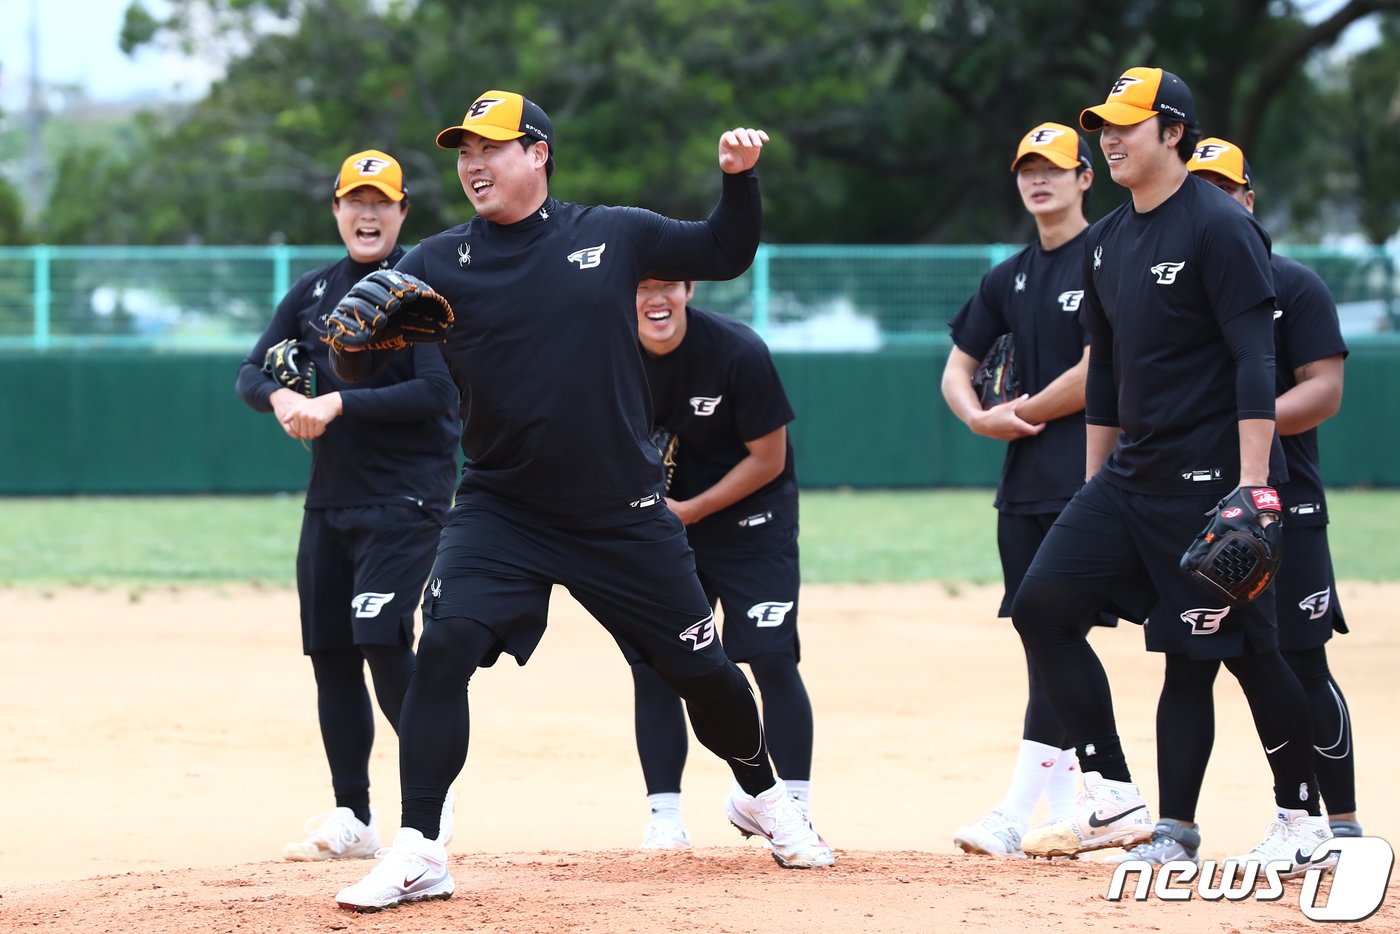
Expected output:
(661, 732)
(1052, 620)
(346, 717)
(1186, 730)
(1331, 729)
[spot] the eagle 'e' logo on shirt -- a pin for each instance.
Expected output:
(589, 256)
(1205, 620)
(1098, 256)
(464, 254)
(1020, 282)
(320, 288)
(1166, 272)
(1070, 300)
(705, 405)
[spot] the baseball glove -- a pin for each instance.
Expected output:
(667, 444)
(995, 380)
(1234, 555)
(388, 310)
(289, 363)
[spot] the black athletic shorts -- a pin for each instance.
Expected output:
(360, 573)
(1308, 610)
(1018, 539)
(752, 574)
(497, 566)
(1126, 547)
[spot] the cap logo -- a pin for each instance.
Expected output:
(480, 108)
(1044, 136)
(1122, 85)
(1209, 152)
(1179, 113)
(370, 166)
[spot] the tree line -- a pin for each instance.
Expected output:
(892, 122)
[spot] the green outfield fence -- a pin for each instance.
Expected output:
(117, 364)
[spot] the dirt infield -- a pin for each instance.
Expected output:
(160, 746)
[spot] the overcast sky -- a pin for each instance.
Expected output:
(78, 46)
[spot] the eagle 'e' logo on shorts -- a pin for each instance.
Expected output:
(368, 604)
(770, 614)
(588, 257)
(1316, 604)
(1166, 272)
(1070, 300)
(705, 405)
(701, 634)
(1204, 621)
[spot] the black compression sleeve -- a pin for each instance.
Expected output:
(1250, 337)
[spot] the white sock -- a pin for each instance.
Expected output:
(1063, 788)
(801, 792)
(1035, 762)
(665, 806)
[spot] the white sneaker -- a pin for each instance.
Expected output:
(335, 834)
(778, 819)
(1291, 837)
(1107, 813)
(447, 823)
(665, 834)
(411, 870)
(1170, 843)
(996, 834)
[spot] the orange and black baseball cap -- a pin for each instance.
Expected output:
(1222, 157)
(1140, 94)
(1062, 145)
(375, 169)
(501, 115)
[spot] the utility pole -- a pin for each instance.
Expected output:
(35, 184)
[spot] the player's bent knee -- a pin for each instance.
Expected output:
(716, 686)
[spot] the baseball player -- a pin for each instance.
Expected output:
(1179, 405)
(562, 483)
(1034, 295)
(1308, 381)
(382, 466)
(716, 393)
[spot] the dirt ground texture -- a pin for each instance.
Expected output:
(159, 746)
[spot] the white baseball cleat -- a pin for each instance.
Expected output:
(1107, 813)
(663, 834)
(995, 834)
(779, 820)
(1292, 836)
(335, 834)
(413, 869)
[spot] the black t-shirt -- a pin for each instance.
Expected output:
(395, 436)
(1036, 296)
(557, 423)
(1305, 330)
(1160, 287)
(717, 390)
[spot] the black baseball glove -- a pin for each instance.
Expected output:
(388, 310)
(995, 380)
(1235, 555)
(289, 363)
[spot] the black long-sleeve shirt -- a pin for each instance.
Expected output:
(556, 418)
(395, 437)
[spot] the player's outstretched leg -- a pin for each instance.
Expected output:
(724, 716)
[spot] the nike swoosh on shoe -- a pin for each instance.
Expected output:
(1095, 822)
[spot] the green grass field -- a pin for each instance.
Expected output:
(847, 537)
